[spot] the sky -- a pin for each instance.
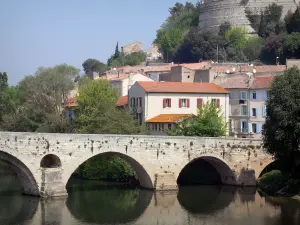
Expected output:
(38, 33)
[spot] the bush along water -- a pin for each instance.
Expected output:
(106, 168)
(277, 183)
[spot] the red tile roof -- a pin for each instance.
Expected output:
(181, 87)
(167, 118)
(262, 82)
(236, 82)
(122, 101)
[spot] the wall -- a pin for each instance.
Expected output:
(133, 47)
(259, 104)
(293, 62)
(155, 103)
(204, 76)
(215, 12)
(235, 111)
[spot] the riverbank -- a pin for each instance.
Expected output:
(278, 184)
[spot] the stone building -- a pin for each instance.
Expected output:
(132, 47)
(215, 12)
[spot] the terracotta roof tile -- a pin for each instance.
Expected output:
(197, 66)
(236, 82)
(167, 118)
(180, 87)
(122, 101)
(262, 82)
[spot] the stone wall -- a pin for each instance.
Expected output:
(157, 160)
(215, 12)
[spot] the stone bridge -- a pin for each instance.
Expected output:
(45, 162)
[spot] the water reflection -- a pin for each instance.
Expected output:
(109, 206)
(205, 199)
(13, 206)
(85, 205)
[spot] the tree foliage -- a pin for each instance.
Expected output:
(98, 114)
(93, 65)
(36, 103)
(208, 123)
(133, 59)
(281, 131)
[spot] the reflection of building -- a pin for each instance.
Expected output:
(162, 104)
(133, 47)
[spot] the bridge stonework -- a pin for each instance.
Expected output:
(157, 160)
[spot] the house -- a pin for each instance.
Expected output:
(248, 93)
(123, 82)
(122, 102)
(257, 104)
(238, 86)
(70, 108)
(162, 104)
(192, 72)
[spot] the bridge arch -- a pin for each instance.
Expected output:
(140, 170)
(50, 161)
(26, 177)
(226, 174)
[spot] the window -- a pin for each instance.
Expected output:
(244, 110)
(169, 126)
(139, 101)
(184, 103)
(132, 102)
(244, 128)
(199, 102)
(254, 95)
(166, 103)
(254, 128)
(155, 126)
(216, 102)
(243, 95)
(161, 127)
(264, 111)
(254, 112)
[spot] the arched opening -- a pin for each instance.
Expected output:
(50, 161)
(276, 165)
(94, 167)
(29, 184)
(206, 170)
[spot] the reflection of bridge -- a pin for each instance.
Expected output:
(229, 206)
(45, 162)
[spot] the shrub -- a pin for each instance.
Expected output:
(271, 182)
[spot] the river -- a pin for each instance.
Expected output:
(90, 203)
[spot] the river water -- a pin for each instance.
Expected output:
(90, 203)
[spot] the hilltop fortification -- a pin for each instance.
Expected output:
(215, 12)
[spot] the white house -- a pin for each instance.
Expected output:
(162, 104)
(123, 82)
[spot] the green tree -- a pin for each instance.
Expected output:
(208, 123)
(98, 114)
(117, 52)
(252, 48)
(133, 59)
(93, 65)
(293, 23)
(281, 131)
(3, 81)
(40, 100)
(291, 45)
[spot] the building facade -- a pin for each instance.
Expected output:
(162, 104)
